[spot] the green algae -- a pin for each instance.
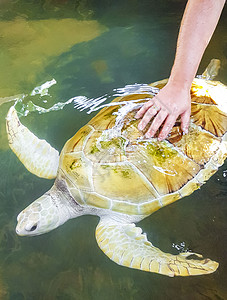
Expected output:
(77, 163)
(160, 151)
(125, 172)
(118, 142)
(94, 149)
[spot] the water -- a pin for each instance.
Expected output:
(90, 48)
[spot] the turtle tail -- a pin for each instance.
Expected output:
(127, 246)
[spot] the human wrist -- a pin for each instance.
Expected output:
(179, 83)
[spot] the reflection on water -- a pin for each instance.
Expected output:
(27, 46)
(90, 48)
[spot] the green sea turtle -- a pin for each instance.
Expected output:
(109, 169)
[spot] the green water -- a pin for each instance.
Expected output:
(91, 47)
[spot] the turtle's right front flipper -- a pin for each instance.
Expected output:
(37, 155)
(125, 245)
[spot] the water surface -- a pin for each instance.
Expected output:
(91, 47)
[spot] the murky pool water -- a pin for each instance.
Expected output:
(91, 47)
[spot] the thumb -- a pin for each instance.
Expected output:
(185, 120)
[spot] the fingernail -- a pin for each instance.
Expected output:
(136, 116)
(149, 135)
(185, 130)
(140, 126)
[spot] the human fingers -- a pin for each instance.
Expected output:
(144, 108)
(185, 120)
(168, 125)
(157, 122)
(150, 113)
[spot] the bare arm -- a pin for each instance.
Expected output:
(198, 24)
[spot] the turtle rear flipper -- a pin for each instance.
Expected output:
(125, 245)
(37, 155)
(212, 69)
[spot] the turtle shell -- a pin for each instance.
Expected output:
(120, 170)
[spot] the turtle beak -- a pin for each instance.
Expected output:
(27, 223)
(19, 228)
(29, 229)
(19, 232)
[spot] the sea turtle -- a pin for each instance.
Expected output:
(109, 169)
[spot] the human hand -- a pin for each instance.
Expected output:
(171, 102)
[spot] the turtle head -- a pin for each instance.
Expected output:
(41, 216)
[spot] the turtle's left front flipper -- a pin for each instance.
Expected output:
(37, 155)
(125, 245)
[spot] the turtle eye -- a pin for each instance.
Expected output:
(33, 228)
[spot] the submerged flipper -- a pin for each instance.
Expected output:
(127, 246)
(212, 69)
(37, 155)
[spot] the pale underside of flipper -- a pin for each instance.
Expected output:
(37, 155)
(127, 246)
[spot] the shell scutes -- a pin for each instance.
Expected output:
(115, 167)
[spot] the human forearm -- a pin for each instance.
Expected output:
(197, 26)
